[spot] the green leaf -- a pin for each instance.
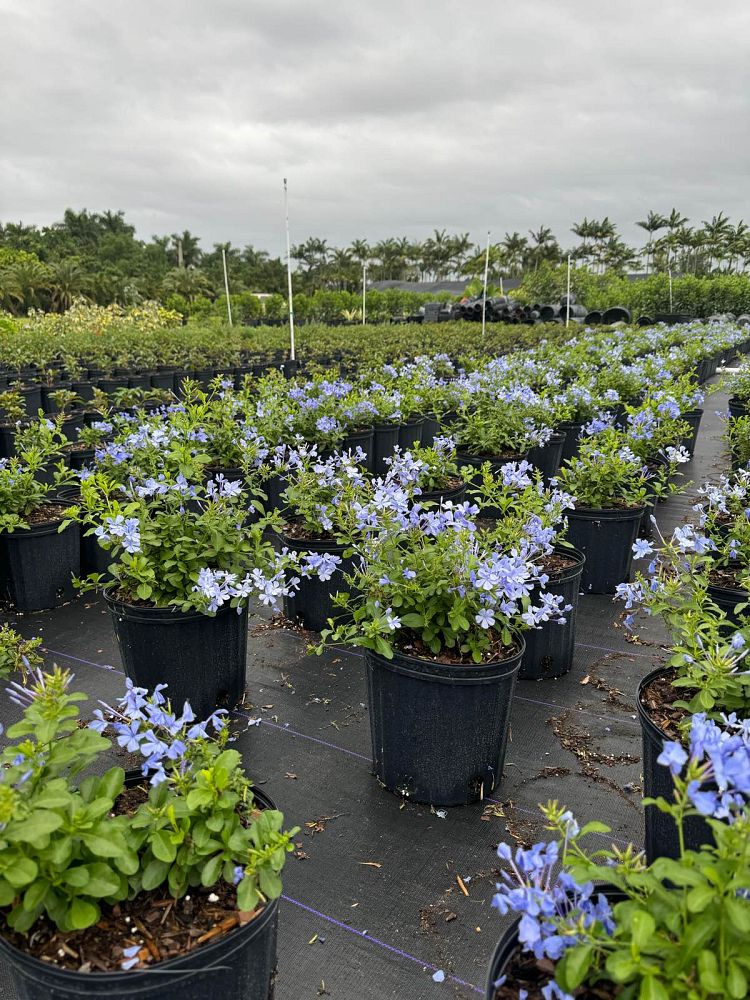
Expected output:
(21, 872)
(412, 620)
(621, 966)
(82, 914)
(642, 928)
(154, 874)
(571, 970)
(270, 883)
(34, 895)
(162, 846)
(247, 895)
(708, 972)
(211, 870)
(34, 829)
(699, 898)
(653, 989)
(736, 981)
(739, 913)
(102, 847)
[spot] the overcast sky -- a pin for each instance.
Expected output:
(388, 118)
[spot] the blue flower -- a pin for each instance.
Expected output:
(642, 548)
(672, 756)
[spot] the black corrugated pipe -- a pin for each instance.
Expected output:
(616, 314)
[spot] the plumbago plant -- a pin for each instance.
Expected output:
(606, 473)
(671, 929)
(22, 495)
(737, 434)
(64, 853)
(17, 653)
(529, 512)
(325, 496)
(429, 584)
(174, 544)
(424, 470)
(707, 649)
(498, 426)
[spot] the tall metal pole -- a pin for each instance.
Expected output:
(484, 291)
(292, 353)
(567, 300)
(364, 292)
(670, 289)
(226, 284)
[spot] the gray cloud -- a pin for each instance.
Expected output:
(388, 118)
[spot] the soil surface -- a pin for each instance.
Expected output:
(297, 531)
(48, 513)
(523, 971)
(729, 578)
(657, 699)
(162, 926)
(412, 645)
(555, 563)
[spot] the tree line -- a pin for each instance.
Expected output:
(97, 256)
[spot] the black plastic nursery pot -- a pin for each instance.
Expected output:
(661, 839)
(410, 433)
(241, 965)
(430, 430)
(7, 441)
(506, 946)
(727, 599)
(571, 444)
(549, 649)
(38, 564)
(201, 657)
(384, 440)
(312, 604)
(449, 494)
(737, 407)
(548, 457)
(439, 730)
(693, 419)
(606, 538)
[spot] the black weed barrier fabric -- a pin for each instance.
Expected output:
(372, 905)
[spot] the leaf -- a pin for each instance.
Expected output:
(571, 970)
(82, 914)
(102, 847)
(739, 913)
(699, 898)
(270, 883)
(247, 895)
(412, 620)
(211, 870)
(736, 981)
(653, 989)
(154, 874)
(642, 928)
(162, 846)
(621, 966)
(34, 829)
(708, 972)
(21, 872)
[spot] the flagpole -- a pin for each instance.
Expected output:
(292, 353)
(484, 296)
(567, 301)
(364, 292)
(226, 284)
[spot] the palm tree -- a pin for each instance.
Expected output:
(185, 249)
(28, 277)
(186, 281)
(652, 224)
(67, 281)
(545, 246)
(360, 251)
(515, 247)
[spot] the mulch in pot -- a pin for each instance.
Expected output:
(523, 971)
(658, 700)
(165, 927)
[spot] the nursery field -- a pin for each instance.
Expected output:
(372, 904)
(454, 608)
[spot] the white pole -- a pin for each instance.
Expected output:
(226, 284)
(670, 289)
(567, 306)
(292, 353)
(364, 292)
(484, 294)
(501, 285)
